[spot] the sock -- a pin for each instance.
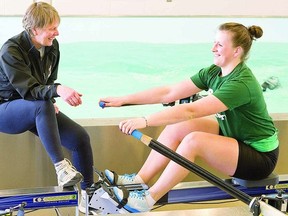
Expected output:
(138, 179)
(149, 199)
(59, 163)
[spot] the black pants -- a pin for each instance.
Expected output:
(54, 131)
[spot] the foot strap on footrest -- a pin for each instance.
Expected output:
(104, 178)
(124, 201)
(115, 179)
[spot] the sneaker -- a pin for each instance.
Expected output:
(136, 202)
(125, 179)
(67, 174)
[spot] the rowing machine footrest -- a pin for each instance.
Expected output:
(272, 179)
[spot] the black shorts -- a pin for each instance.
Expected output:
(255, 165)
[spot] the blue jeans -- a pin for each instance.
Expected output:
(54, 131)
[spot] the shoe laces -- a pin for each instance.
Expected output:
(130, 177)
(66, 168)
(138, 194)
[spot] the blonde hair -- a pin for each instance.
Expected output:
(242, 36)
(39, 15)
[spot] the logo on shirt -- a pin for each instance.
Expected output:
(220, 116)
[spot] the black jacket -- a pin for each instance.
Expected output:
(22, 72)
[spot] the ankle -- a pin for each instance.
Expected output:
(138, 179)
(62, 163)
(155, 194)
(150, 200)
(59, 163)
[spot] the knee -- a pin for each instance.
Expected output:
(82, 139)
(193, 140)
(43, 105)
(172, 133)
(190, 146)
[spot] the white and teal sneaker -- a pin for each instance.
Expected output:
(125, 179)
(137, 201)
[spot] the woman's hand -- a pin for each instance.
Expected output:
(128, 126)
(111, 102)
(69, 95)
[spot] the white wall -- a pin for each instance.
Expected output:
(258, 8)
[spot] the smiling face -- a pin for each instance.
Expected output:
(223, 49)
(41, 22)
(45, 36)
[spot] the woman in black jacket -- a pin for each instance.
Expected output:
(28, 71)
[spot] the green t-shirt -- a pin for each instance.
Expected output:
(247, 118)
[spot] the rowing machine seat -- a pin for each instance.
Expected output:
(272, 179)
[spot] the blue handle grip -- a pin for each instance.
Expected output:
(137, 134)
(102, 104)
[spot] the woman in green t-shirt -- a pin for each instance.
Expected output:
(240, 140)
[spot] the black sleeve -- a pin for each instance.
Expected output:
(17, 68)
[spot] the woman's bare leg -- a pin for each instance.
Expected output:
(171, 137)
(218, 151)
